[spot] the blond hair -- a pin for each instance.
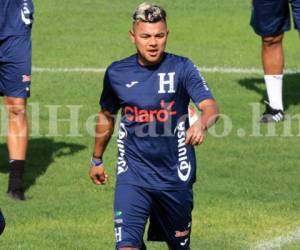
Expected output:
(149, 13)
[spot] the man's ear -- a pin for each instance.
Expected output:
(131, 36)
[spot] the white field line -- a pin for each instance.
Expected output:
(202, 69)
(68, 70)
(278, 242)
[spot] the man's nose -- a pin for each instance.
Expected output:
(152, 41)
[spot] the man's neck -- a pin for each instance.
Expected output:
(146, 63)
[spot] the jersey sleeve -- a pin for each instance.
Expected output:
(109, 100)
(195, 84)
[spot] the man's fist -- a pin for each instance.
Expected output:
(98, 175)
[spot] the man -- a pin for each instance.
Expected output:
(156, 160)
(15, 70)
(270, 19)
(2, 222)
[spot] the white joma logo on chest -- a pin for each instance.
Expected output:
(166, 83)
(131, 84)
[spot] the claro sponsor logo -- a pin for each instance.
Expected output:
(184, 166)
(144, 115)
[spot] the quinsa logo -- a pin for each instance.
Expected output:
(122, 131)
(25, 13)
(184, 166)
(122, 164)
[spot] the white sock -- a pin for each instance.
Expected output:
(274, 90)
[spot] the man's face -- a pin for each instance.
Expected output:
(150, 40)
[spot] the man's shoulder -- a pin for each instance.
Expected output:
(176, 58)
(181, 63)
(123, 64)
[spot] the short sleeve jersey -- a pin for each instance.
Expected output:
(16, 17)
(154, 109)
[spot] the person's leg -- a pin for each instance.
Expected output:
(272, 54)
(17, 127)
(15, 78)
(270, 19)
(17, 139)
(273, 64)
(171, 217)
(131, 210)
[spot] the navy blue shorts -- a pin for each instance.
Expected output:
(15, 66)
(272, 17)
(169, 213)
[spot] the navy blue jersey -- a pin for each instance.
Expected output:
(154, 102)
(16, 17)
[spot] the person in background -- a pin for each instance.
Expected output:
(270, 19)
(16, 17)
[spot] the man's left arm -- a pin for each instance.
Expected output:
(209, 115)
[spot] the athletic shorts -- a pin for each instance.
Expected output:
(272, 17)
(15, 66)
(169, 213)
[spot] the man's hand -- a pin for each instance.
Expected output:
(98, 175)
(195, 134)
(209, 115)
(104, 130)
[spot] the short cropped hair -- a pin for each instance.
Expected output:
(149, 13)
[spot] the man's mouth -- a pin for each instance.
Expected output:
(152, 52)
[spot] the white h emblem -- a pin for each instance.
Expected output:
(163, 82)
(118, 234)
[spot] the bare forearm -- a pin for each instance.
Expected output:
(209, 113)
(104, 130)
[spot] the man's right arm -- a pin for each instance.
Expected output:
(104, 131)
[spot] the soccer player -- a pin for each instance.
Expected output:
(156, 164)
(16, 18)
(270, 19)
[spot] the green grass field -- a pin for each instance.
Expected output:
(248, 180)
